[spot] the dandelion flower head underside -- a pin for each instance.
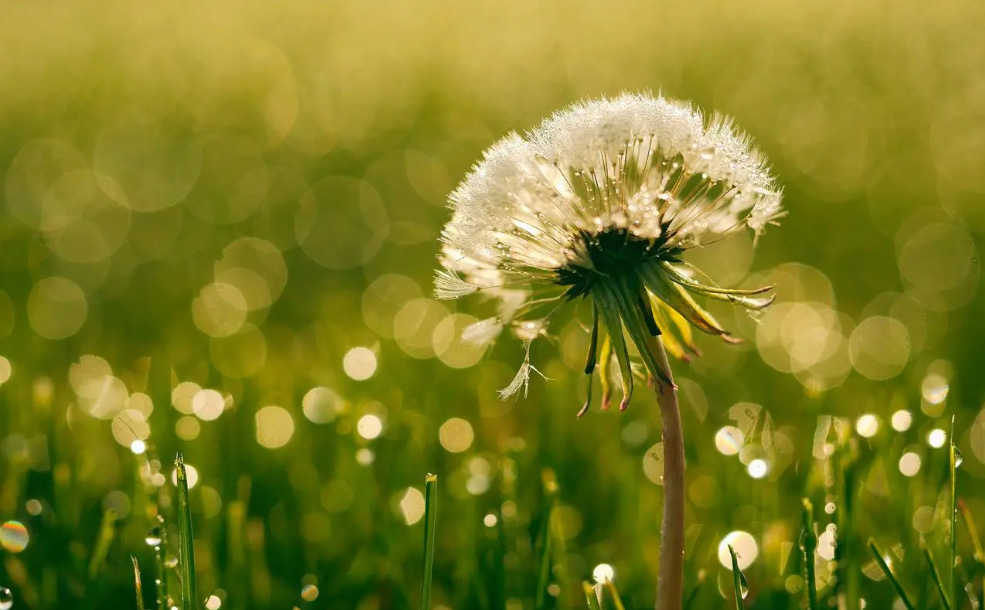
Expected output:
(601, 202)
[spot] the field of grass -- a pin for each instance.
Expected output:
(218, 229)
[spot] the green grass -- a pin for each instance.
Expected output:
(739, 585)
(936, 575)
(887, 571)
(186, 541)
(808, 543)
(953, 460)
(591, 596)
(430, 523)
(138, 587)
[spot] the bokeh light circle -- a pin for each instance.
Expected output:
(341, 222)
(56, 308)
(321, 405)
(745, 548)
(14, 537)
(219, 310)
(939, 264)
(879, 347)
(274, 427)
(456, 435)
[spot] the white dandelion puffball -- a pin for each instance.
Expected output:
(601, 202)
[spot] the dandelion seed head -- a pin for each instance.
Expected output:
(611, 193)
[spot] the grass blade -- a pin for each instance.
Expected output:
(738, 580)
(107, 531)
(186, 546)
(430, 514)
(138, 588)
(935, 574)
(953, 462)
(544, 573)
(976, 543)
(616, 600)
(969, 525)
(160, 552)
(808, 543)
(884, 566)
(694, 592)
(591, 596)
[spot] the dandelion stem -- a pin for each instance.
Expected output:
(670, 583)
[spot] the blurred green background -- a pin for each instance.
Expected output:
(218, 225)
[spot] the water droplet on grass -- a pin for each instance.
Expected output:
(154, 536)
(6, 599)
(743, 585)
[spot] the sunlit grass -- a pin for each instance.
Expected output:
(217, 230)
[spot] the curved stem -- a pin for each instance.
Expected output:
(670, 583)
(621, 300)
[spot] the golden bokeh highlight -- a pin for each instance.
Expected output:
(412, 505)
(241, 354)
(879, 347)
(369, 426)
(219, 310)
(191, 476)
(187, 428)
(359, 363)
(14, 537)
(208, 404)
(256, 268)
(130, 426)
(274, 427)
(97, 391)
(384, 298)
(321, 405)
(653, 464)
(414, 327)
(56, 308)
(745, 547)
(456, 435)
(341, 222)
(448, 346)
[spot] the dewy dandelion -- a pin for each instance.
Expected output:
(601, 203)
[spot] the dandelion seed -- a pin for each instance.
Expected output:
(601, 202)
(449, 285)
(482, 332)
